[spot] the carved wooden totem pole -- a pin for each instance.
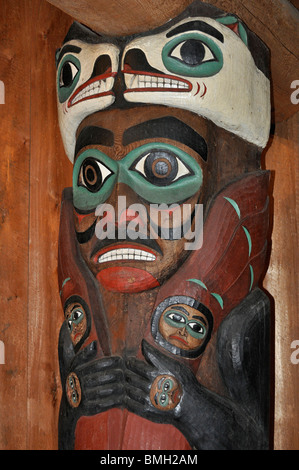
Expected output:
(165, 342)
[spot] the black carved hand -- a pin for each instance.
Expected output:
(207, 420)
(95, 385)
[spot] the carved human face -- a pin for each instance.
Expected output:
(76, 318)
(184, 327)
(144, 156)
(165, 392)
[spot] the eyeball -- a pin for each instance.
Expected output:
(192, 55)
(93, 174)
(67, 74)
(192, 52)
(161, 167)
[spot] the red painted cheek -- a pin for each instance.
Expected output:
(126, 279)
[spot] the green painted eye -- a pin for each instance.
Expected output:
(168, 385)
(94, 176)
(75, 318)
(175, 318)
(196, 329)
(163, 399)
(161, 166)
(68, 75)
(192, 55)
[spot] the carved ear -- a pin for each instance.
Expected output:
(235, 24)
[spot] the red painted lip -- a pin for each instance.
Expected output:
(128, 70)
(121, 246)
(126, 280)
(91, 96)
(179, 339)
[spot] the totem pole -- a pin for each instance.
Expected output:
(163, 237)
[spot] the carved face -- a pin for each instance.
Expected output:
(77, 317)
(129, 164)
(165, 392)
(76, 320)
(198, 64)
(85, 78)
(204, 66)
(184, 326)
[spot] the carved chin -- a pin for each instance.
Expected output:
(126, 279)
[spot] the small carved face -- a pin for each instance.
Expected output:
(76, 321)
(165, 392)
(183, 326)
(73, 390)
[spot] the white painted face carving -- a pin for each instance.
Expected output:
(199, 64)
(85, 78)
(203, 66)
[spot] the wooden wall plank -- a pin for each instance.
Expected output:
(14, 212)
(50, 172)
(281, 280)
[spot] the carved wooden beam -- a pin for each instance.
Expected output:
(274, 21)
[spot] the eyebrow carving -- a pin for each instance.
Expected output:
(93, 135)
(167, 127)
(198, 25)
(65, 49)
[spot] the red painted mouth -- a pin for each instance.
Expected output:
(93, 88)
(149, 81)
(126, 279)
(179, 338)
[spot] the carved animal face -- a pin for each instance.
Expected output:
(202, 65)
(85, 78)
(199, 64)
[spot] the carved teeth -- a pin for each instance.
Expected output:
(126, 254)
(94, 88)
(152, 81)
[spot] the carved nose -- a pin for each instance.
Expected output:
(102, 65)
(135, 59)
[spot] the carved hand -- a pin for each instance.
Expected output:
(207, 420)
(95, 385)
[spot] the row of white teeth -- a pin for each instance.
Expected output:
(94, 88)
(126, 254)
(151, 81)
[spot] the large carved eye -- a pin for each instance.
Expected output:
(93, 174)
(161, 167)
(192, 55)
(68, 73)
(192, 52)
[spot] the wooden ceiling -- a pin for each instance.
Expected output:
(276, 22)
